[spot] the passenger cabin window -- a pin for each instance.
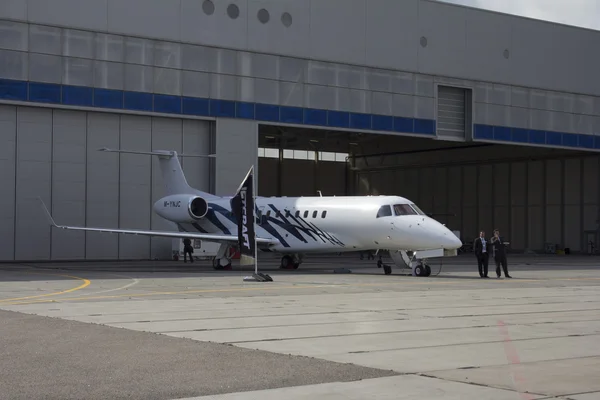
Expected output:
(404, 209)
(297, 213)
(306, 214)
(384, 211)
(314, 214)
(268, 213)
(287, 213)
(323, 214)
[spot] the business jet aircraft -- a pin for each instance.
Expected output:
(295, 226)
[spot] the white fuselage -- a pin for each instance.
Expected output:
(333, 224)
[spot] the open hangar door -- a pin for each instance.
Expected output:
(541, 199)
(303, 162)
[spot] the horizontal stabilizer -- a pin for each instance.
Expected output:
(162, 153)
(175, 235)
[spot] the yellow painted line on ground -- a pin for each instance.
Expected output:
(86, 282)
(269, 288)
(234, 290)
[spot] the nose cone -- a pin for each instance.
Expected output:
(451, 241)
(439, 235)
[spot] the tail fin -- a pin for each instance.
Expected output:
(172, 173)
(170, 167)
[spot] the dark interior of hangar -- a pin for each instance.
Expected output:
(543, 199)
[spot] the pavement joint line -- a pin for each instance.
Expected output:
(280, 315)
(119, 323)
(86, 282)
(398, 349)
(523, 362)
(489, 325)
(481, 384)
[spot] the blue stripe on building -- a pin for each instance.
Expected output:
(536, 137)
(37, 92)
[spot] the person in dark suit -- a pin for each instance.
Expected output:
(499, 249)
(187, 249)
(481, 249)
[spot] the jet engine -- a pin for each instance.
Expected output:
(181, 208)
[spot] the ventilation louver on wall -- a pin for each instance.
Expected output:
(451, 112)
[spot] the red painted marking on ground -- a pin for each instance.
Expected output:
(513, 358)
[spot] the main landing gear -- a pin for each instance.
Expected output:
(404, 259)
(292, 261)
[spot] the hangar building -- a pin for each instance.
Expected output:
(483, 119)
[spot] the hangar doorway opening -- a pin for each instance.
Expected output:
(301, 162)
(541, 199)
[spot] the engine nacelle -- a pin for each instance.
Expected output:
(181, 208)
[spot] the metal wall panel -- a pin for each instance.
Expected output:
(198, 139)
(412, 182)
(440, 193)
(536, 227)
(331, 178)
(291, 185)
(455, 208)
(237, 147)
(426, 189)
(536, 183)
(69, 182)
(268, 182)
(517, 236)
(8, 147)
(135, 186)
(34, 176)
(166, 135)
(485, 197)
(103, 188)
(500, 193)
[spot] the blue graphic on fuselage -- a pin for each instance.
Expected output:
(268, 223)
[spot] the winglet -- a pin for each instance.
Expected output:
(48, 215)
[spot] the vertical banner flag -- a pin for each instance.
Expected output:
(242, 205)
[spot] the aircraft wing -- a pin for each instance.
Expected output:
(174, 235)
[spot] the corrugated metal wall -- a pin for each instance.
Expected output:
(532, 202)
(53, 154)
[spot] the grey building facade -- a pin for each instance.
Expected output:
(201, 76)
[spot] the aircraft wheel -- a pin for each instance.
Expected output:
(387, 269)
(419, 270)
(427, 270)
(296, 265)
(215, 262)
(286, 262)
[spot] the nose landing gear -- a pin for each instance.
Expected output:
(404, 259)
(422, 269)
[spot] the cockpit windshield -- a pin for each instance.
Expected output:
(399, 210)
(417, 209)
(404, 209)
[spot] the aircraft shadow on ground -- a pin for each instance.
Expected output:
(15, 272)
